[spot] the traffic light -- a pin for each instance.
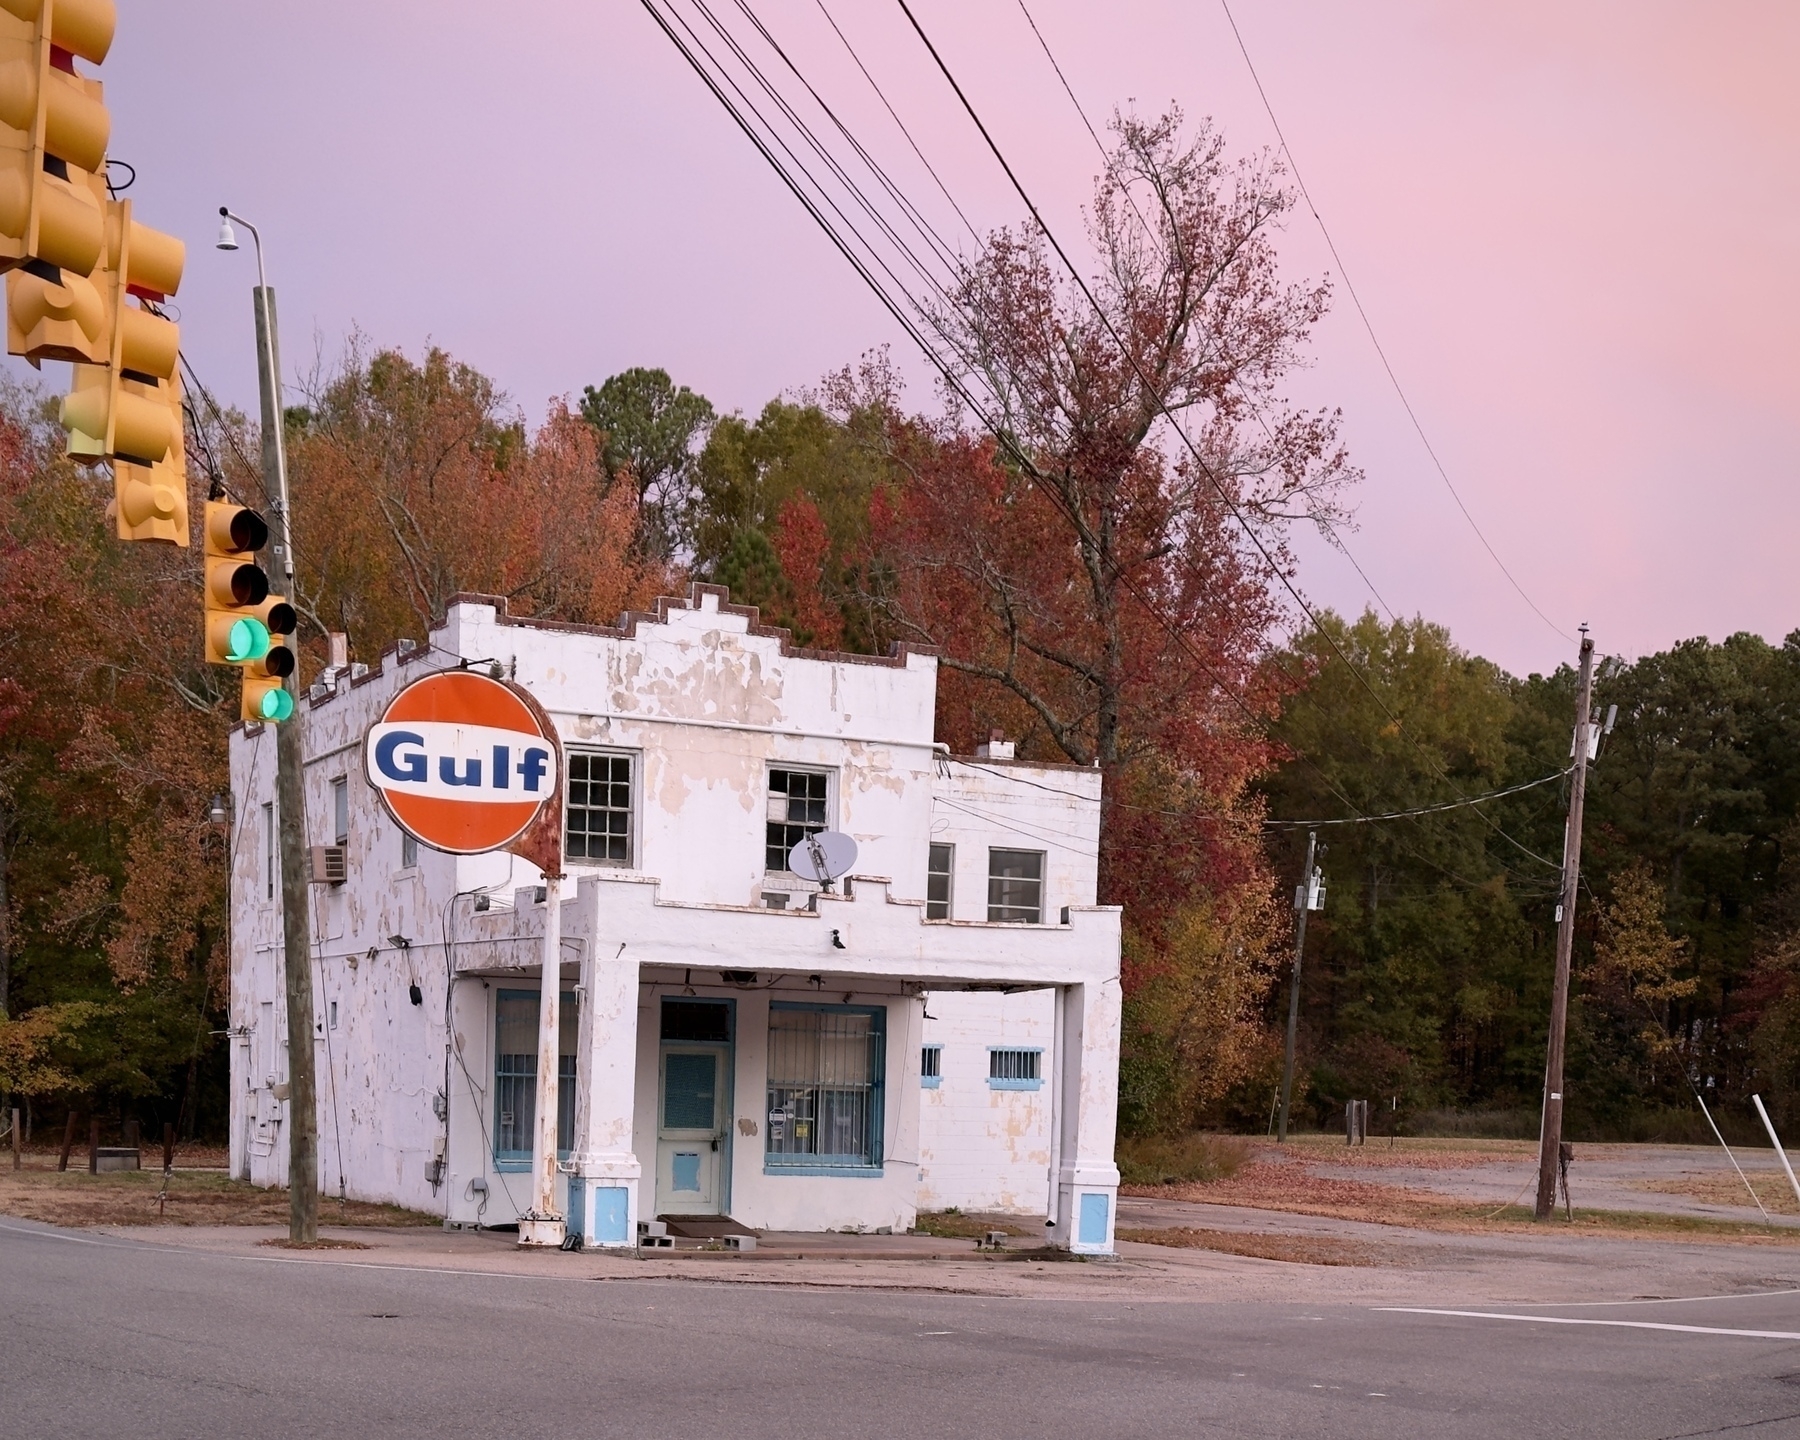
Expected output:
(242, 618)
(53, 133)
(119, 406)
(265, 697)
(150, 501)
(236, 587)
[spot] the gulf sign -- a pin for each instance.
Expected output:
(462, 762)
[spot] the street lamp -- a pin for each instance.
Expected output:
(290, 795)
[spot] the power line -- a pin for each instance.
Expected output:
(1336, 540)
(1423, 809)
(1369, 326)
(911, 322)
(1161, 405)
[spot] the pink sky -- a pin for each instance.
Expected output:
(1576, 227)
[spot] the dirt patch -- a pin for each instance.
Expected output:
(1773, 1190)
(1288, 1184)
(1404, 1154)
(193, 1197)
(971, 1225)
(320, 1244)
(1294, 1249)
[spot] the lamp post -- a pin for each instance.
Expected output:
(290, 783)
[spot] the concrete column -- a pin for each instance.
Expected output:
(606, 1091)
(1087, 1102)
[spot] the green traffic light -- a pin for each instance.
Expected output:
(248, 640)
(276, 705)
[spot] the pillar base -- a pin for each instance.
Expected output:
(541, 1232)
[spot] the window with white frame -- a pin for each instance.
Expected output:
(931, 1066)
(268, 823)
(799, 805)
(940, 871)
(599, 829)
(1016, 886)
(1015, 1068)
(825, 1087)
(340, 810)
(515, 1076)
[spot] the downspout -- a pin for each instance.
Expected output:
(1056, 1071)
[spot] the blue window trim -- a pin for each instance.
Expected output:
(849, 1166)
(513, 1162)
(995, 1083)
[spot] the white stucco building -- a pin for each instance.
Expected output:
(941, 1031)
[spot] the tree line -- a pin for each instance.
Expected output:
(1098, 551)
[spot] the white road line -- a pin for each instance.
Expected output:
(1616, 1324)
(1656, 1300)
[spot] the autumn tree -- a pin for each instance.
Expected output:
(112, 742)
(650, 429)
(1091, 543)
(413, 482)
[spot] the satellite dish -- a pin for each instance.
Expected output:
(823, 857)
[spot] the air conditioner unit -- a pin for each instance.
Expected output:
(328, 866)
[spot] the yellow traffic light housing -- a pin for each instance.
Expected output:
(235, 587)
(53, 133)
(150, 501)
(117, 407)
(266, 696)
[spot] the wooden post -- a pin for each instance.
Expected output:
(168, 1148)
(93, 1144)
(68, 1142)
(17, 1137)
(1550, 1136)
(1301, 897)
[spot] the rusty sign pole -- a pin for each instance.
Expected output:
(544, 1225)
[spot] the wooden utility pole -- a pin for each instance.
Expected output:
(1302, 898)
(290, 808)
(1550, 1138)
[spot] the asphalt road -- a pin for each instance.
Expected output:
(112, 1337)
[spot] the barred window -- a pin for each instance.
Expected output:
(515, 1075)
(931, 1066)
(599, 808)
(825, 1072)
(1016, 886)
(1015, 1069)
(939, 870)
(798, 801)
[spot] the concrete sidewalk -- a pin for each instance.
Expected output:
(1390, 1264)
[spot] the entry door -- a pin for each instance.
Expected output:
(690, 1132)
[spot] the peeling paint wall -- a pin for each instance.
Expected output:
(983, 1148)
(704, 705)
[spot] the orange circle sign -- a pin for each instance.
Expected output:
(462, 763)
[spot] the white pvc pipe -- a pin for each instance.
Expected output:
(544, 1226)
(1776, 1142)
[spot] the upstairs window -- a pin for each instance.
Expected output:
(1016, 886)
(340, 810)
(798, 805)
(939, 873)
(409, 851)
(931, 1066)
(599, 809)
